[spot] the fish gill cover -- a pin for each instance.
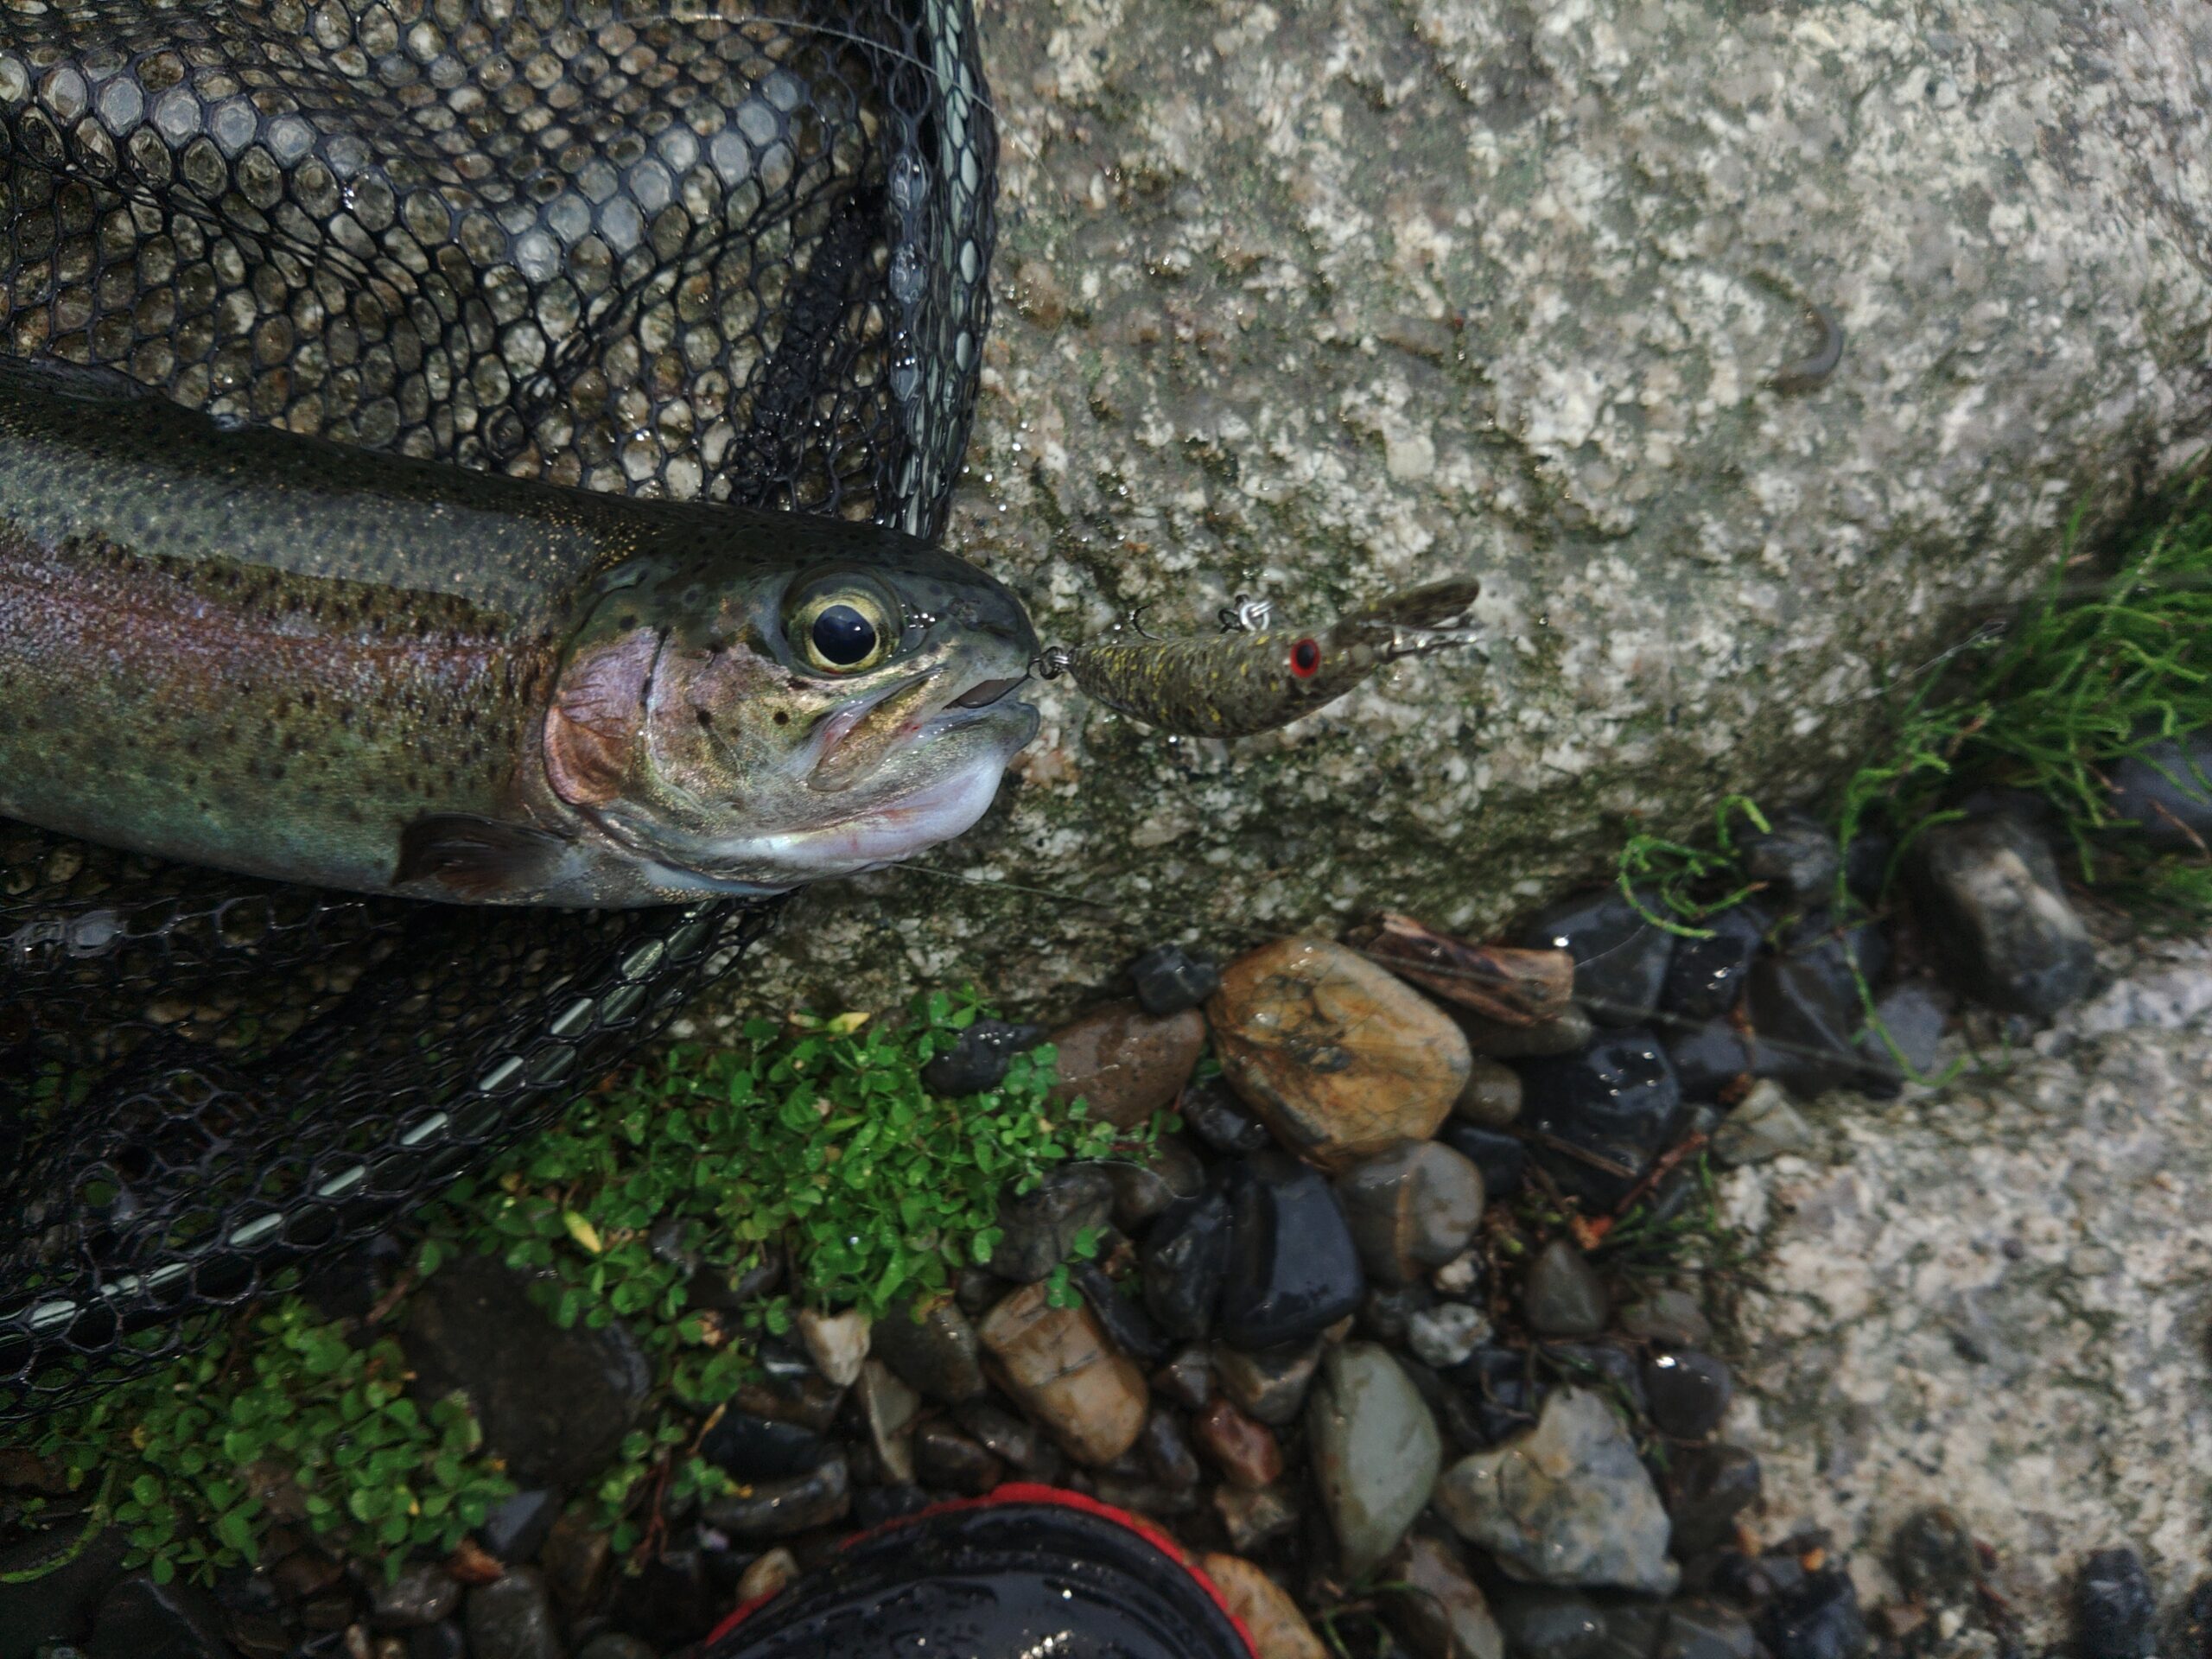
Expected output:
(699, 249)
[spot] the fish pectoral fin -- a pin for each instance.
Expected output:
(475, 858)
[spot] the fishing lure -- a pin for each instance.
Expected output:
(1251, 678)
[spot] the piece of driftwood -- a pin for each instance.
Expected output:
(1513, 986)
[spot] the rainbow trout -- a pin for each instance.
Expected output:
(278, 655)
(1250, 678)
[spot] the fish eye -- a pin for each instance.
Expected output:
(842, 627)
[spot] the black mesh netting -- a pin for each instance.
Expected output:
(695, 249)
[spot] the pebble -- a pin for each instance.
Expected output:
(1170, 1171)
(1797, 856)
(1603, 1365)
(789, 1390)
(1563, 1035)
(1123, 1317)
(554, 1404)
(1708, 1060)
(1460, 1277)
(1806, 1012)
(575, 1558)
(783, 1508)
(1165, 1450)
(1818, 1619)
(1616, 1104)
(1498, 1394)
(510, 1618)
(945, 1457)
(837, 1343)
(423, 1593)
(769, 1575)
(1012, 1439)
(1186, 1379)
(1444, 1336)
(517, 1527)
(1269, 1386)
(1540, 1624)
(1293, 1268)
(1992, 904)
(1039, 1229)
(1127, 1064)
(873, 1506)
(1245, 1452)
(935, 1354)
(978, 1060)
(977, 1291)
(1184, 1261)
(1059, 1367)
(2162, 787)
(1212, 1113)
(888, 1408)
(1567, 1503)
(1384, 1315)
(443, 1640)
(1142, 1497)
(1705, 1630)
(1375, 1450)
(1340, 1058)
(1439, 1613)
(1492, 1096)
(1502, 1158)
(1765, 1125)
(139, 1618)
(1409, 1209)
(748, 1447)
(610, 1644)
(1914, 1017)
(1169, 980)
(1707, 1488)
(2116, 1611)
(1564, 1296)
(1279, 1631)
(1253, 1519)
(1620, 959)
(1706, 977)
(1666, 1315)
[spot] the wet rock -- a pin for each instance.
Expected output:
(1041, 1228)
(1184, 1261)
(671, 1601)
(1439, 1613)
(423, 1594)
(1707, 1487)
(1932, 1555)
(1169, 980)
(1410, 1209)
(554, 1404)
(1186, 1379)
(1279, 1630)
(2166, 788)
(1765, 1125)
(1501, 1158)
(1669, 1315)
(789, 1390)
(1384, 1315)
(139, 1618)
(748, 1447)
(1817, 1619)
(1606, 1112)
(836, 1343)
(1165, 1451)
(1253, 1519)
(517, 1527)
(443, 1640)
(1705, 1630)
(1911, 1017)
(1706, 976)
(1563, 1035)
(888, 1407)
(1604, 1366)
(1805, 1011)
(1141, 1190)
(1539, 1624)
(1127, 1064)
(1213, 1115)
(1340, 1058)
(1992, 908)
(1059, 1367)
(576, 1558)
(1293, 1268)
(1620, 959)
(1491, 1099)
(511, 1618)
(1564, 1296)
(615, 1644)
(1632, 1629)
(771, 1575)
(1445, 1335)
(1798, 856)
(978, 1059)
(1460, 1277)
(1567, 1503)
(1142, 1497)
(783, 1508)
(1375, 1451)
(2115, 1609)
(2193, 1624)
(1269, 1386)
(732, 1289)
(1244, 1451)
(1121, 1314)
(873, 1506)
(1011, 1438)
(1710, 1061)
(1503, 1396)
(946, 1458)
(935, 1353)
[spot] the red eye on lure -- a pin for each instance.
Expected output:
(1306, 658)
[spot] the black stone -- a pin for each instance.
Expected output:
(1706, 976)
(1914, 1018)
(1501, 1393)
(57, 1603)
(2167, 787)
(1546, 1623)
(946, 1458)
(1184, 1261)
(518, 1526)
(443, 1640)
(141, 1619)
(789, 1390)
(749, 1448)
(1867, 867)
(671, 1601)
(1383, 1314)
(1706, 1487)
(978, 1291)
(1501, 1157)
(874, 1505)
(1689, 1392)
(1292, 1270)
(1933, 1556)
(1606, 1112)
(1010, 1437)
(1212, 1113)
(1142, 1190)
(1631, 1628)
(1797, 856)
(1187, 1379)
(777, 1509)
(1599, 1363)
(1168, 981)
(1992, 908)
(1704, 1630)
(2116, 1611)
(1707, 1058)
(1620, 959)
(2193, 1624)
(1166, 1451)
(978, 1060)
(937, 1355)
(1806, 1011)
(554, 1404)
(423, 1594)
(1039, 1229)
(1123, 1318)
(1816, 1619)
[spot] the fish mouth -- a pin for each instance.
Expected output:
(984, 693)
(855, 743)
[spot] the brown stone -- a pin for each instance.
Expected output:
(1340, 1059)
(1279, 1630)
(1440, 1613)
(1246, 1452)
(1058, 1364)
(1253, 1519)
(1127, 1064)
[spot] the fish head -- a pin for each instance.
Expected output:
(738, 730)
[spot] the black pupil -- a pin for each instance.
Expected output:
(842, 636)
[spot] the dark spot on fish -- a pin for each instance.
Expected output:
(782, 719)
(628, 619)
(706, 720)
